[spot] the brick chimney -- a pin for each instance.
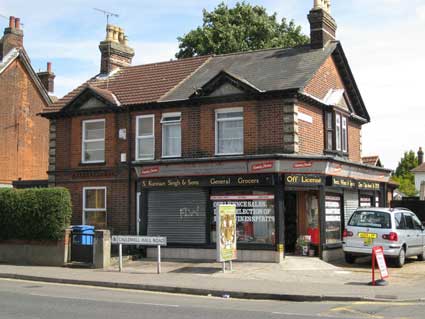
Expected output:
(322, 25)
(48, 78)
(115, 52)
(420, 156)
(13, 37)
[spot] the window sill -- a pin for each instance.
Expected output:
(228, 154)
(171, 156)
(92, 163)
(145, 159)
(338, 153)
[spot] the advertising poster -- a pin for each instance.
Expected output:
(226, 233)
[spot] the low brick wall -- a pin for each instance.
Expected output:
(40, 253)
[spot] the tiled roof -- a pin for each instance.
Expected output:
(370, 160)
(139, 84)
(419, 169)
(267, 70)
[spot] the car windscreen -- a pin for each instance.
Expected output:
(371, 219)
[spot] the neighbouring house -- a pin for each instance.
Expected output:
(24, 147)
(155, 149)
(419, 173)
(372, 160)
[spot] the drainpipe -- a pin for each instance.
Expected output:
(129, 153)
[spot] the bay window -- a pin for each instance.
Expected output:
(145, 137)
(336, 128)
(229, 131)
(171, 135)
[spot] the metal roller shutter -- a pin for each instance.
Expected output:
(351, 203)
(180, 215)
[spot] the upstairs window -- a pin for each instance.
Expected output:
(145, 137)
(336, 132)
(229, 131)
(93, 145)
(171, 135)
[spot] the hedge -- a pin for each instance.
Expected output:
(34, 214)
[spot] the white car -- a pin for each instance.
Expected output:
(397, 230)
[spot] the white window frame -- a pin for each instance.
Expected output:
(344, 134)
(94, 209)
(228, 110)
(164, 124)
(93, 140)
(338, 132)
(144, 158)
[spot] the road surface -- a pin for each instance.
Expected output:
(25, 300)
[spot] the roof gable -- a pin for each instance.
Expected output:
(22, 56)
(92, 98)
(225, 84)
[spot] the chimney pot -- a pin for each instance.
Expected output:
(49, 67)
(121, 35)
(17, 23)
(12, 22)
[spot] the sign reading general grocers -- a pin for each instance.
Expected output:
(140, 240)
(226, 233)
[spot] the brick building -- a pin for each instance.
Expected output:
(154, 149)
(23, 94)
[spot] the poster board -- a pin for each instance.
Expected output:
(378, 253)
(226, 233)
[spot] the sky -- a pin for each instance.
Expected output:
(383, 40)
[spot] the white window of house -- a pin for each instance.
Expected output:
(94, 206)
(93, 145)
(171, 135)
(229, 131)
(145, 137)
(344, 135)
(338, 132)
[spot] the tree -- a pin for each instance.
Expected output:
(242, 28)
(403, 174)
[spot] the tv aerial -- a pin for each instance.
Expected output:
(107, 14)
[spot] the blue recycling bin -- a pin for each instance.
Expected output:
(82, 235)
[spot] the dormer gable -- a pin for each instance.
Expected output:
(92, 98)
(225, 84)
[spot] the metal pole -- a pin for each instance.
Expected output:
(231, 265)
(159, 260)
(224, 266)
(120, 254)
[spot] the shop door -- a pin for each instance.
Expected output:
(290, 201)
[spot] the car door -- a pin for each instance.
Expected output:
(414, 242)
(419, 234)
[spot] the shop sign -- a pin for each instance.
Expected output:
(342, 182)
(150, 170)
(210, 181)
(305, 164)
(262, 166)
(304, 180)
(226, 233)
(366, 185)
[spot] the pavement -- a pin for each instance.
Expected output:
(296, 279)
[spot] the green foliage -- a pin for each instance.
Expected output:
(242, 28)
(34, 214)
(403, 174)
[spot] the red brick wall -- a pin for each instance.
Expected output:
(325, 79)
(311, 135)
(24, 136)
(354, 142)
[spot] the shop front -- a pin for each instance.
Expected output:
(283, 206)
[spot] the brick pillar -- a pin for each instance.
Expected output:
(102, 249)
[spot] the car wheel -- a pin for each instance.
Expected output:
(421, 257)
(401, 259)
(349, 258)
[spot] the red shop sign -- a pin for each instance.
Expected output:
(262, 166)
(150, 170)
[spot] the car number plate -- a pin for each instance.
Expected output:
(368, 235)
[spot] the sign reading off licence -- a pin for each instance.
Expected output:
(140, 240)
